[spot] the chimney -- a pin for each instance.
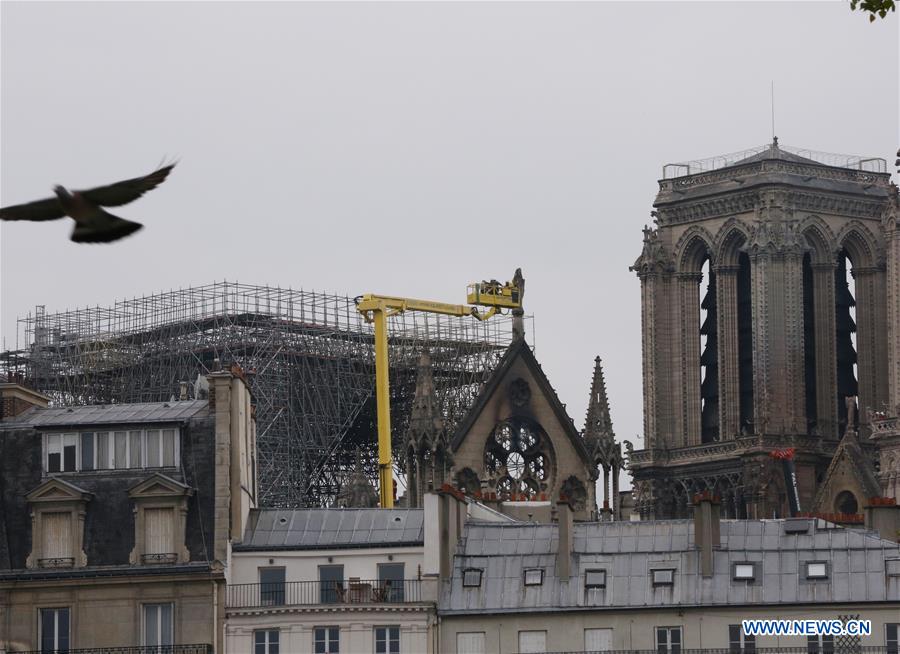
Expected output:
(183, 391)
(706, 529)
(15, 399)
(564, 549)
(883, 516)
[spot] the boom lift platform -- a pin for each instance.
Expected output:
(378, 308)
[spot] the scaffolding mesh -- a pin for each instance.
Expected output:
(308, 356)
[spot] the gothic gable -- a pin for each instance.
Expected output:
(850, 480)
(517, 443)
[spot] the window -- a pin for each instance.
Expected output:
(534, 577)
(597, 640)
(744, 571)
(61, 452)
(390, 581)
(326, 640)
(331, 584)
(58, 535)
(472, 577)
(532, 642)
(271, 586)
(157, 625)
(54, 630)
(265, 641)
(56, 532)
(821, 644)
(111, 450)
(816, 570)
(663, 577)
(892, 637)
(595, 578)
(159, 535)
(387, 640)
(668, 640)
(470, 642)
(739, 642)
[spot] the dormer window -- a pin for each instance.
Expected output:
(472, 577)
(118, 449)
(816, 570)
(744, 572)
(663, 577)
(595, 579)
(58, 510)
(160, 512)
(534, 577)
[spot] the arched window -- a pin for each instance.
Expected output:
(845, 328)
(809, 345)
(709, 359)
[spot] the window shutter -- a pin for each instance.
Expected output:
(57, 535)
(158, 531)
(471, 642)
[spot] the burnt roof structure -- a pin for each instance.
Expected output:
(308, 358)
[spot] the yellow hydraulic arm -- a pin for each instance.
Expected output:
(378, 308)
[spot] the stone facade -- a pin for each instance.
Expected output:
(148, 539)
(775, 233)
(518, 450)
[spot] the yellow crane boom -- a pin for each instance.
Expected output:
(378, 308)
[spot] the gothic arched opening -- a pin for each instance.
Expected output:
(745, 342)
(809, 345)
(709, 359)
(845, 336)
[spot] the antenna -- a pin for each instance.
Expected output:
(773, 111)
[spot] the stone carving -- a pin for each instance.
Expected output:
(519, 393)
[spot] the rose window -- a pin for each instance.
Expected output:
(516, 457)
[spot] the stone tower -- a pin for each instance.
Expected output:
(427, 442)
(748, 322)
(600, 441)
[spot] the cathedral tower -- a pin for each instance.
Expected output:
(764, 307)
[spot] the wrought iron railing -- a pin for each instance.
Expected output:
(836, 649)
(155, 649)
(162, 557)
(58, 562)
(302, 593)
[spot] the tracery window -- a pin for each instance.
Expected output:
(517, 456)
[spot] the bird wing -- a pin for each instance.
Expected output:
(129, 190)
(48, 209)
(105, 228)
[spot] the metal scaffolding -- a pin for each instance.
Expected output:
(308, 356)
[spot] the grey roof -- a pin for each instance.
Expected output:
(862, 567)
(300, 529)
(106, 414)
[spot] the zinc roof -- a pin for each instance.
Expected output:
(300, 529)
(862, 567)
(100, 414)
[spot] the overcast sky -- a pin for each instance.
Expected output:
(409, 149)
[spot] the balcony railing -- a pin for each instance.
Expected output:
(156, 649)
(59, 562)
(835, 649)
(307, 593)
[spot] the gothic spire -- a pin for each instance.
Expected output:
(598, 433)
(426, 421)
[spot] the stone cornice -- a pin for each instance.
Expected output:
(734, 203)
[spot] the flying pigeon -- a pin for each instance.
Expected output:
(92, 223)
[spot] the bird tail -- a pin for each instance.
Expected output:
(112, 229)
